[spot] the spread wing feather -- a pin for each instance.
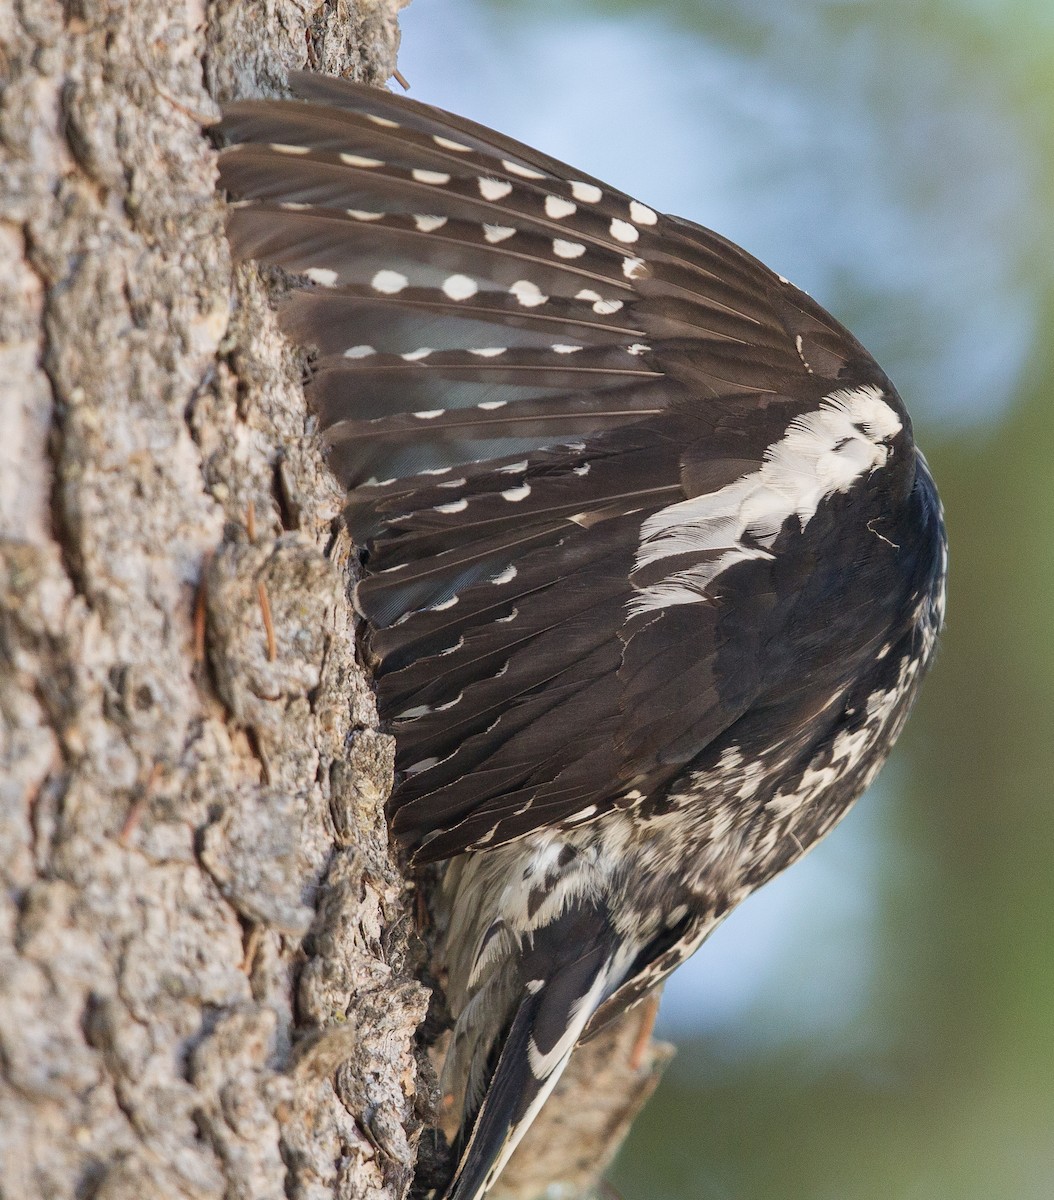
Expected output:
(518, 366)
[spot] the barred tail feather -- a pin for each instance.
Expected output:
(513, 1101)
(544, 1032)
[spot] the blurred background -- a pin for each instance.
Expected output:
(877, 1022)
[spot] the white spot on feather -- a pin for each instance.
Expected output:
(515, 168)
(417, 355)
(494, 189)
(637, 349)
(287, 148)
(516, 494)
(321, 275)
(623, 231)
(443, 605)
(455, 506)
(362, 214)
(359, 160)
(449, 144)
(565, 249)
(506, 576)
(459, 287)
(428, 414)
(423, 765)
(801, 352)
(488, 351)
(516, 468)
(558, 208)
(439, 178)
(359, 352)
(497, 233)
(642, 214)
(489, 405)
(382, 121)
(633, 268)
(588, 193)
(389, 282)
(602, 307)
(561, 348)
(426, 223)
(527, 293)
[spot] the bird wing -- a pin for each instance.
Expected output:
(548, 403)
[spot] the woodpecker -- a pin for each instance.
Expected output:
(653, 568)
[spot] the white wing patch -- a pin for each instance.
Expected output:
(820, 453)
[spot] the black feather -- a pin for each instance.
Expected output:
(555, 985)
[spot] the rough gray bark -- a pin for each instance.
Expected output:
(205, 983)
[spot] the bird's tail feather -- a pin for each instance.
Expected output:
(544, 1031)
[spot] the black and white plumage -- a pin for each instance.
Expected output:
(653, 567)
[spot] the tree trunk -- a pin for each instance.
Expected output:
(207, 981)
